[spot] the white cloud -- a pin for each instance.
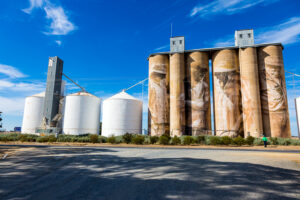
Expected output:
(12, 106)
(287, 32)
(226, 7)
(162, 47)
(58, 42)
(23, 87)
(33, 4)
(10, 71)
(59, 22)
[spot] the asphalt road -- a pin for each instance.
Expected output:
(48, 172)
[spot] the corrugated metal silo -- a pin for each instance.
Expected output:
(33, 113)
(198, 114)
(227, 100)
(82, 114)
(158, 115)
(122, 114)
(275, 113)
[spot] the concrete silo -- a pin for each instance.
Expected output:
(158, 119)
(82, 114)
(33, 113)
(177, 95)
(273, 94)
(198, 114)
(252, 119)
(227, 100)
(122, 114)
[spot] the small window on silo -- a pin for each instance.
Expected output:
(173, 42)
(241, 35)
(249, 35)
(180, 41)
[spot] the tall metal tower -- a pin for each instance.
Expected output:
(53, 92)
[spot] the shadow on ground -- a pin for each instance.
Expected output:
(89, 173)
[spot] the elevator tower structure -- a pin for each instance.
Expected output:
(53, 93)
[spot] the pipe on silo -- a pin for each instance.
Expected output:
(158, 115)
(252, 118)
(177, 96)
(198, 118)
(227, 100)
(274, 104)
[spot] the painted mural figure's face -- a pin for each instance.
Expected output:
(157, 76)
(158, 89)
(228, 82)
(275, 90)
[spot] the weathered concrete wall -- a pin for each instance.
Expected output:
(227, 100)
(274, 104)
(252, 118)
(198, 114)
(177, 96)
(158, 115)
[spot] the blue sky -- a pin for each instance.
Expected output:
(105, 44)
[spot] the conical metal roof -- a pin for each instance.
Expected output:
(42, 94)
(122, 95)
(82, 94)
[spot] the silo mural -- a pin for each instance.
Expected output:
(228, 117)
(158, 95)
(273, 92)
(198, 119)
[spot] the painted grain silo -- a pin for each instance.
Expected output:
(122, 113)
(249, 91)
(227, 99)
(252, 118)
(273, 94)
(158, 113)
(82, 114)
(33, 113)
(198, 115)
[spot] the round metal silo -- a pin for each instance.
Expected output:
(122, 114)
(198, 114)
(227, 100)
(33, 113)
(274, 104)
(252, 118)
(158, 114)
(82, 114)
